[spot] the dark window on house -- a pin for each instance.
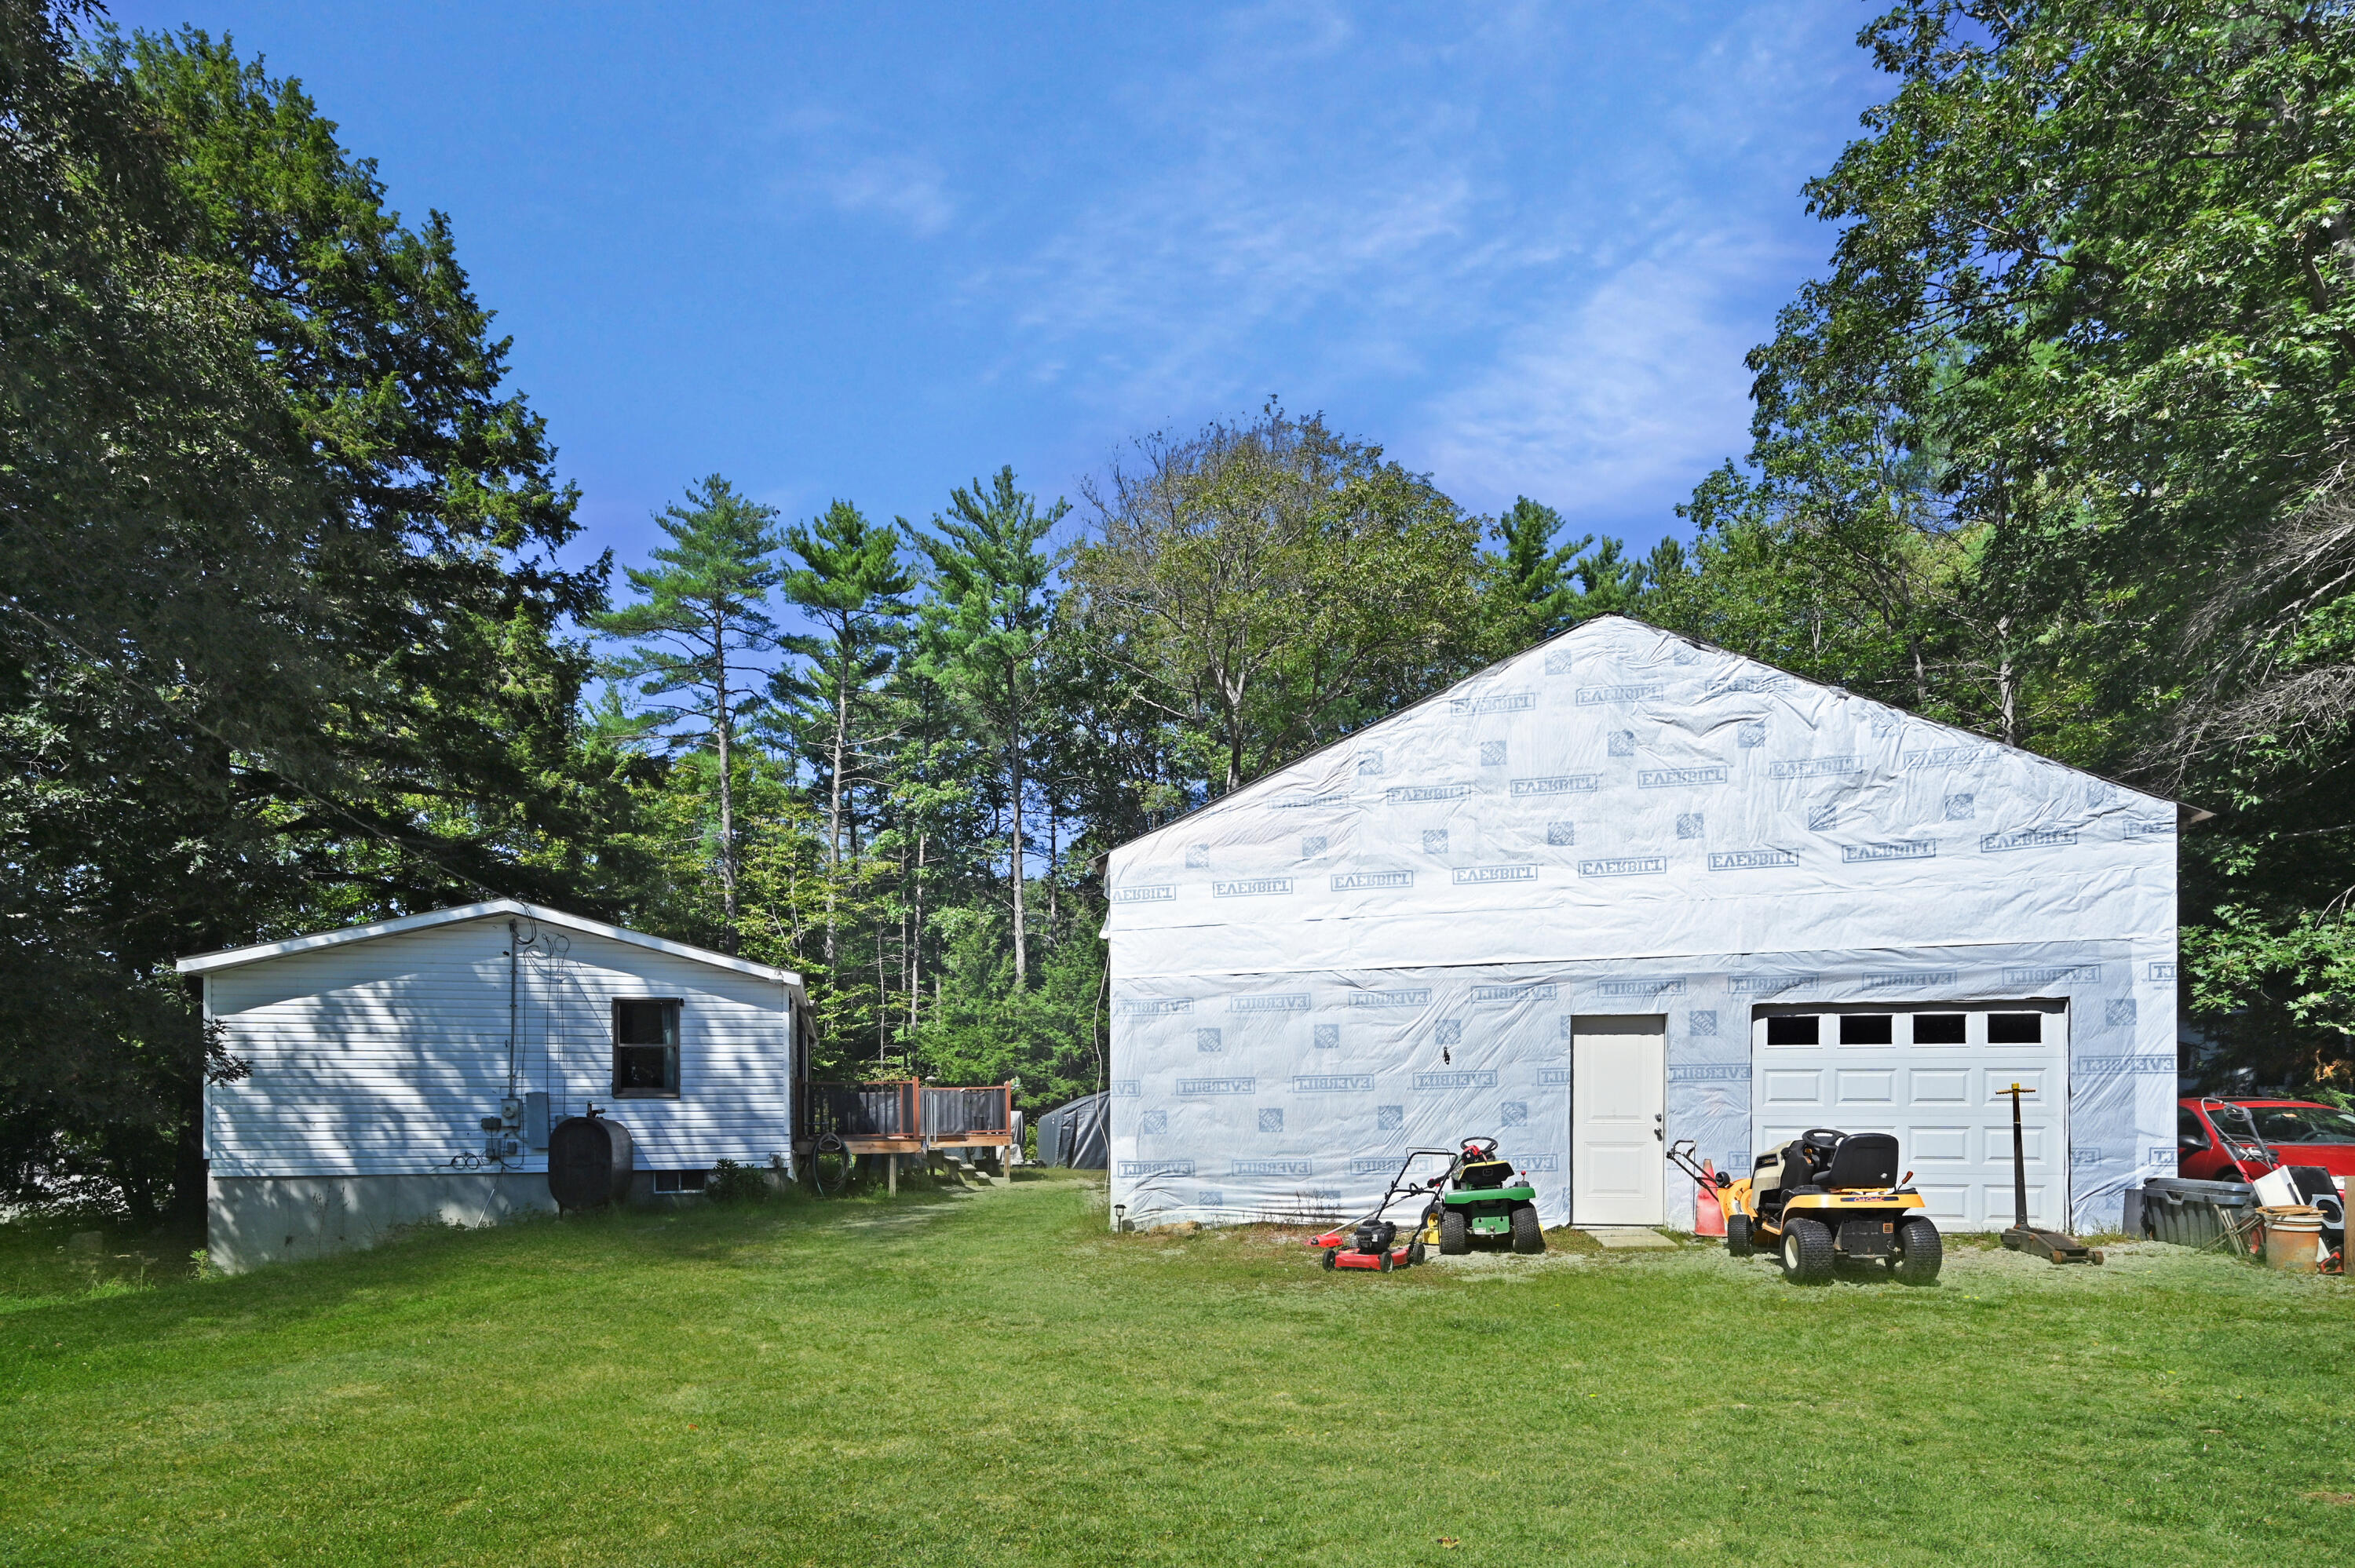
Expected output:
(679, 1181)
(1937, 1029)
(2191, 1133)
(1791, 1029)
(645, 1047)
(2015, 1028)
(1865, 1029)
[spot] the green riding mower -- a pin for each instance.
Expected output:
(1482, 1196)
(1478, 1195)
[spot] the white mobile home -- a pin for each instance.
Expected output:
(1624, 889)
(412, 1069)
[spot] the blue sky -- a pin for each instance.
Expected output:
(874, 252)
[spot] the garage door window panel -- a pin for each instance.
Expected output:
(1866, 1029)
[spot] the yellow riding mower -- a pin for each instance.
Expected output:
(1823, 1197)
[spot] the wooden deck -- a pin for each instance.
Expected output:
(902, 1117)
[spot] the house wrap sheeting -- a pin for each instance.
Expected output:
(1383, 946)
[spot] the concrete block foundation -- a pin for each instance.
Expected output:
(256, 1220)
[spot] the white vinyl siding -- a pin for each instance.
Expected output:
(381, 1057)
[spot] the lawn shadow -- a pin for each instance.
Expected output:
(429, 1261)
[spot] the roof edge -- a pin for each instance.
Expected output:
(262, 952)
(2187, 815)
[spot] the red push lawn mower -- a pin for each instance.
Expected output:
(1477, 1196)
(1370, 1242)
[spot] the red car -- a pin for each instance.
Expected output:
(2241, 1140)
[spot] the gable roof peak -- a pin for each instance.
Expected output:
(261, 952)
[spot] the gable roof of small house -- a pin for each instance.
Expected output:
(235, 958)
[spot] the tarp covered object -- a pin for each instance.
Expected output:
(1078, 1134)
(1381, 945)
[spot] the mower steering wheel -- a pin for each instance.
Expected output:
(1480, 1147)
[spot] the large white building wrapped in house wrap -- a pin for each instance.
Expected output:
(1627, 888)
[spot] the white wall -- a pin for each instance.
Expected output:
(1382, 945)
(1620, 792)
(381, 1057)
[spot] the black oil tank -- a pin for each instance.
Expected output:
(588, 1162)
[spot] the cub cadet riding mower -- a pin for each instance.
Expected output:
(1820, 1198)
(1470, 1198)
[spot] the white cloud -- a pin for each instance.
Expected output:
(1443, 236)
(1184, 276)
(1614, 393)
(836, 160)
(905, 187)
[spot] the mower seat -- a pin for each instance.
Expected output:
(1798, 1168)
(1486, 1173)
(1862, 1160)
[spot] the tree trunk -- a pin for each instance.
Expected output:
(916, 942)
(190, 1197)
(2005, 695)
(834, 792)
(1021, 936)
(883, 998)
(721, 724)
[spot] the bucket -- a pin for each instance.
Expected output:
(2292, 1238)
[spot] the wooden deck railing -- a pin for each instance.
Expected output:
(902, 1114)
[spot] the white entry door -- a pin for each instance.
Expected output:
(1934, 1076)
(1618, 1100)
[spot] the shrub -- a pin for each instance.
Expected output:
(732, 1183)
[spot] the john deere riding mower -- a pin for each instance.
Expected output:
(1478, 1195)
(1483, 1197)
(1824, 1197)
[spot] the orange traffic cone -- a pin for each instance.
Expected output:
(1708, 1214)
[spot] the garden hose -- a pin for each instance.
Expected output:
(830, 1143)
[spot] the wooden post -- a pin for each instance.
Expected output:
(892, 1175)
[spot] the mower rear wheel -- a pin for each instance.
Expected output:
(1737, 1237)
(1919, 1253)
(1389, 1261)
(1527, 1235)
(1330, 1254)
(1455, 1234)
(1807, 1250)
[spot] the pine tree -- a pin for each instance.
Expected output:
(852, 584)
(986, 632)
(1548, 589)
(1537, 583)
(704, 612)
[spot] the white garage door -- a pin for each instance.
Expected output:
(1934, 1076)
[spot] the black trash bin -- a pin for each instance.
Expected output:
(2192, 1214)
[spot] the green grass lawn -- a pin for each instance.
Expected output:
(966, 1379)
